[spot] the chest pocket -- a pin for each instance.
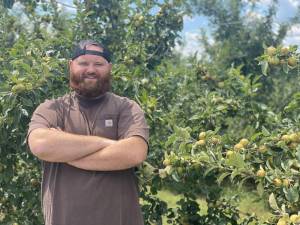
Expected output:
(107, 126)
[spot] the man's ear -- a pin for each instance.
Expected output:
(70, 64)
(110, 66)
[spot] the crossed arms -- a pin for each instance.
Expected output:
(87, 152)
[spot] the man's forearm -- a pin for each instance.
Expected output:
(123, 154)
(58, 146)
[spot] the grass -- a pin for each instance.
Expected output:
(250, 203)
(171, 199)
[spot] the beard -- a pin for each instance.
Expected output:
(90, 88)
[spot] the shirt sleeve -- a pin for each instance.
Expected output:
(132, 121)
(45, 116)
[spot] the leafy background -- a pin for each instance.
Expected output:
(223, 126)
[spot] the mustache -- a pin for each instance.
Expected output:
(88, 75)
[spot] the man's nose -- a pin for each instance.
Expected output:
(91, 69)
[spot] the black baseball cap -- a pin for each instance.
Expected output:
(80, 49)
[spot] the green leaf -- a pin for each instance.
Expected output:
(264, 67)
(265, 131)
(24, 112)
(25, 66)
(222, 177)
(272, 202)
(27, 102)
(256, 135)
(175, 176)
(298, 155)
(221, 107)
(183, 133)
(235, 173)
(171, 140)
(8, 3)
(203, 157)
(236, 160)
(285, 68)
(209, 170)
(291, 194)
(260, 189)
(147, 168)
(195, 117)
(243, 180)
(182, 147)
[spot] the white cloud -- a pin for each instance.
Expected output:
(293, 36)
(188, 19)
(190, 44)
(294, 3)
(295, 30)
(260, 4)
(265, 2)
(250, 15)
(66, 6)
(275, 27)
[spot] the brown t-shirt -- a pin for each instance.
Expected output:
(72, 196)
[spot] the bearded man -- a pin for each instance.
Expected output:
(89, 142)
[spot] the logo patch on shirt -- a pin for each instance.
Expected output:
(109, 123)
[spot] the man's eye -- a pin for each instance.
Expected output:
(83, 63)
(99, 64)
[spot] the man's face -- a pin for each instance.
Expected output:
(90, 75)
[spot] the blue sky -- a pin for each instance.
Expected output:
(287, 8)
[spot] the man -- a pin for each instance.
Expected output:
(89, 142)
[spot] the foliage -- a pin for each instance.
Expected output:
(33, 62)
(226, 123)
(238, 31)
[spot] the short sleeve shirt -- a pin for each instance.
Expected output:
(72, 196)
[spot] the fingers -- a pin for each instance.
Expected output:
(56, 129)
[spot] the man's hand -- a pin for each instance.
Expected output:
(123, 154)
(55, 145)
(87, 152)
(56, 129)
